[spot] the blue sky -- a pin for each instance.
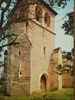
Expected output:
(63, 41)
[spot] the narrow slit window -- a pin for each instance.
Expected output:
(47, 19)
(20, 71)
(44, 51)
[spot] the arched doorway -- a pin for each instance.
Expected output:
(43, 82)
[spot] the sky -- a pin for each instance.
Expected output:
(62, 40)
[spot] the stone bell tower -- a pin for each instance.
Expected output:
(28, 59)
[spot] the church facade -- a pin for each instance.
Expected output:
(27, 67)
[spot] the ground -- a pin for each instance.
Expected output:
(64, 94)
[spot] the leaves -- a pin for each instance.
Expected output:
(68, 24)
(6, 6)
(59, 3)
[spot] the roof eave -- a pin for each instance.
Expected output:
(44, 3)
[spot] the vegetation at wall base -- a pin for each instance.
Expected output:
(64, 94)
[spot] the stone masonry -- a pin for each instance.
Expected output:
(28, 63)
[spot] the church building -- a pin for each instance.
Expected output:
(27, 63)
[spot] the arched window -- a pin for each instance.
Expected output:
(43, 82)
(47, 19)
(38, 13)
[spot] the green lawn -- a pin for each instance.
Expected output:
(64, 94)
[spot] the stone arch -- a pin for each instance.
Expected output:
(43, 82)
(38, 13)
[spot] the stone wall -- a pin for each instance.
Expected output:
(67, 80)
(41, 37)
(26, 65)
(17, 74)
(53, 75)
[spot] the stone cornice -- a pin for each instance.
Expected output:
(43, 27)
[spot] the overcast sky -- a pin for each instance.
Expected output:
(63, 41)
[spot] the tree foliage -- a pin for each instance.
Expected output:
(6, 8)
(59, 3)
(68, 24)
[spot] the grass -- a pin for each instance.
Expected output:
(64, 94)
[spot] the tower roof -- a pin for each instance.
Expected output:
(48, 6)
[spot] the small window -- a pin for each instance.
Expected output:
(44, 51)
(19, 52)
(38, 13)
(20, 71)
(47, 19)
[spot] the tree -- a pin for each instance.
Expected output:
(58, 3)
(6, 7)
(68, 24)
(5, 11)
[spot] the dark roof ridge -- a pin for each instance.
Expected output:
(48, 6)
